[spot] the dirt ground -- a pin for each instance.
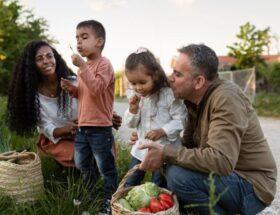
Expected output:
(271, 129)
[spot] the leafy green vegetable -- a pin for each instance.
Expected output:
(125, 204)
(140, 196)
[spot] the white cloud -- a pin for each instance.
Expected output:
(99, 5)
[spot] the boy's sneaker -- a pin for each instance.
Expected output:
(105, 208)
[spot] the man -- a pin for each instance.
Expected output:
(223, 135)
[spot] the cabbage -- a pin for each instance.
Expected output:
(140, 196)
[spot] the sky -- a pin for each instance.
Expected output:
(162, 26)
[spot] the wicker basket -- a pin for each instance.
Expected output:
(121, 192)
(21, 176)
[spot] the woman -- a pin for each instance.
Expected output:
(36, 99)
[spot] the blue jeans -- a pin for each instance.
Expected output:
(192, 187)
(138, 176)
(95, 143)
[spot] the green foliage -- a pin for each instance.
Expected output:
(251, 45)
(271, 74)
(17, 27)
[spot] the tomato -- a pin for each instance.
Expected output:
(167, 198)
(145, 210)
(166, 204)
(156, 206)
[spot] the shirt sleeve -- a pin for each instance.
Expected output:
(225, 130)
(47, 127)
(131, 120)
(178, 114)
(97, 82)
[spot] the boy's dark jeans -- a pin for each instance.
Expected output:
(96, 142)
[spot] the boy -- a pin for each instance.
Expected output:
(95, 91)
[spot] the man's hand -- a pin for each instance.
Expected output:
(117, 120)
(134, 104)
(154, 157)
(155, 134)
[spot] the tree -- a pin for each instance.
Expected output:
(252, 43)
(17, 27)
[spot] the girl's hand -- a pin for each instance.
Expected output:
(78, 61)
(134, 104)
(155, 134)
(133, 138)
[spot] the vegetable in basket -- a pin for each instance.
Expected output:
(125, 204)
(140, 196)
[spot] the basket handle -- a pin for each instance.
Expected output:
(12, 155)
(129, 173)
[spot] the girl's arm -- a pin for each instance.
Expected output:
(131, 120)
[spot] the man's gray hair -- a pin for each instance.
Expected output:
(203, 60)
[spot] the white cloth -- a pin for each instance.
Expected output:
(51, 118)
(163, 111)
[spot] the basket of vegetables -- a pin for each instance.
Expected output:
(143, 199)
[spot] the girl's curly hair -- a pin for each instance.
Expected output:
(23, 108)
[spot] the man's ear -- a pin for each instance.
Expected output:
(199, 82)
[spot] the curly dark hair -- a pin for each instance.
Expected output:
(23, 108)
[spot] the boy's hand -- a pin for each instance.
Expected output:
(78, 61)
(155, 134)
(134, 104)
(67, 85)
(117, 120)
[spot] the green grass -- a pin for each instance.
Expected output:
(267, 104)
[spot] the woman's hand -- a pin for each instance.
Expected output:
(67, 131)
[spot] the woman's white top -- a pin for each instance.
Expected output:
(51, 118)
(163, 111)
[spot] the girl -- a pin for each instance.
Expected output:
(153, 110)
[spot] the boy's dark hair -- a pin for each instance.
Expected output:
(203, 60)
(97, 27)
(154, 69)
